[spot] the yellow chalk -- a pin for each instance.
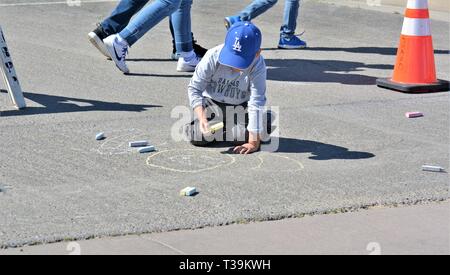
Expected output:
(216, 127)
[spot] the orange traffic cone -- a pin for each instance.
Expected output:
(415, 69)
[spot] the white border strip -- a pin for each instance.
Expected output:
(417, 4)
(416, 27)
(53, 3)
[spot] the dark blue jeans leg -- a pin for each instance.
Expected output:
(122, 15)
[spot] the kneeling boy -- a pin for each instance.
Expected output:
(228, 84)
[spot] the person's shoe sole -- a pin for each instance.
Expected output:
(98, 43)
(111, 52)
(287, 47)
(186, 69)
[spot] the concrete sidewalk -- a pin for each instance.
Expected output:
(422, 229)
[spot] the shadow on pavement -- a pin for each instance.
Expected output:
(320, 151)
(161, 75)
(365, 50)
(321, 71)
(58, 104)
(150, 60)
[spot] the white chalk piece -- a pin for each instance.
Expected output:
(147, 149)
(414, 114)
(141, 143)
(188, 191)
(431, 168)
(100, 136)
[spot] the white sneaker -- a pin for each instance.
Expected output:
(188, 65)
(98, 43)
(118, 52)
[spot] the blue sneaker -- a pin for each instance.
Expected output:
(231, 20)
(292, 42)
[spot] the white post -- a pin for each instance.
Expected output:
(9, 74)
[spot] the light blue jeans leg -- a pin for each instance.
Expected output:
(148, 18)
(181, 21)
(256, 8)
(291, 10)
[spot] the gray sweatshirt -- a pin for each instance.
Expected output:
(220, 83)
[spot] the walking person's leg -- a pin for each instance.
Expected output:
(255, 9)
(288, 40)
(291, 10)
(145, 20)
(199, 50)
(181, 20)
(115, 23)
(122, 15)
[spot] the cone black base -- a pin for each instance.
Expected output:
(440, 86)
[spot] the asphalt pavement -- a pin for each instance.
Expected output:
(345, 144)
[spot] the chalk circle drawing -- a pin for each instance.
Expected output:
(189, 160)
(288, 164)
(117, 143)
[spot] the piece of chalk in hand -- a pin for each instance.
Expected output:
(414, 114)
(100, 136)
(138, 143)
(188, 191)
(147, 149)
(216, 127)
(431, 168)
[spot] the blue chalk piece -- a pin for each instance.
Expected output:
(147, 149)
(141, 143)
(100, 136)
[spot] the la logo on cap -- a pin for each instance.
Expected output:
(237, 45)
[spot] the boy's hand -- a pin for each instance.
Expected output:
(201, 115)
(246, 149)
(204, 126)
(254, 142)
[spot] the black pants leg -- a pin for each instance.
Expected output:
(216, 113)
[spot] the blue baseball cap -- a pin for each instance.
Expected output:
(242, 43)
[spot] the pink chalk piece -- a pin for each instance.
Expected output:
(414, 114)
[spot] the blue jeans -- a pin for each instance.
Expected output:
(181, 22)
(121, 15)
(150, 16)
(291, 10)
